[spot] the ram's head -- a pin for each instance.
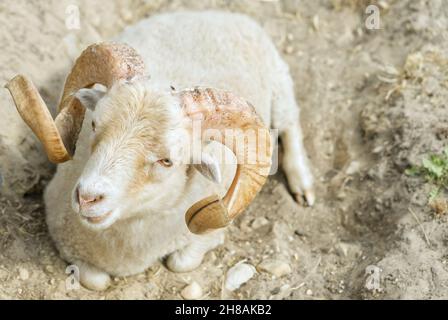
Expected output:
(139, 137)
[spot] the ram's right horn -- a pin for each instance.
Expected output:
(221, 110)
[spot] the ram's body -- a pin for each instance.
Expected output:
(211, 49)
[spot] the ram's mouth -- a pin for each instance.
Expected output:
(98, 219)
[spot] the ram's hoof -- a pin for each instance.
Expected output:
(93, 278)
(180, 262)
(308, 198)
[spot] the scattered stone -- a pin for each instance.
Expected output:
(316, 23)
(23, 274)
(238, 275)
(345, 249)
(285, 287)
(259, 222)
(127, 15)
(277, 268)
(353, 168)
(49, 269)
(341, 195)
(289, 49)
(193, 291)
(309, 292)
(300, 233)
(383, 5)
(430, 85)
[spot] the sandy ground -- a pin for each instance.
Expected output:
(373, 103)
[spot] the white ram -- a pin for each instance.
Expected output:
(119, 205)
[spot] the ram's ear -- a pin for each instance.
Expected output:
(209, 168)
(89, 97)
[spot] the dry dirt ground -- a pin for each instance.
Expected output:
(373, 103)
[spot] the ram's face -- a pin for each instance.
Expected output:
(136, 154)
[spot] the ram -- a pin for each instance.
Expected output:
(120, 203)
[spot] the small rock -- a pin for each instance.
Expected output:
(300, 233)
(238, 275)
(276, 267)
(127, 15)
(430, 85)
(192, 292)
(316, 22)
(23, 274)
(285, 287)
(309, 292)
(49, 269)
(353, 168)
(289, 49)
(342, 249)
(383, 5)
(378, 149)
(345, 249)
(341, 195)
(259, 222)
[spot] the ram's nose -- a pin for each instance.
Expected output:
(86, 199)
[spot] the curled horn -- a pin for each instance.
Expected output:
(220, 110)
(102, 63)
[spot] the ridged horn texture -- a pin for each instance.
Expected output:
(102, 63)
(236, 121)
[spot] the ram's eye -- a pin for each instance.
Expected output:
(165, 162)
(93, 126)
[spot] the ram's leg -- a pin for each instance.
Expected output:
(191, 256)
(295, 164)
(92, 277)
(285, 117)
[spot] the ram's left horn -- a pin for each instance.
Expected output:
(35, 113)
(102, 63)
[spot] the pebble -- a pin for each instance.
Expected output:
(49, 269)
(238, 275)
(289, 49)
(383, 4)
(259, 222)
(345, 249)
(353, 168)
(309, 292)
(276, 267)
(193, 291)
(316, 22)
(23, 274)
(127, 15)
